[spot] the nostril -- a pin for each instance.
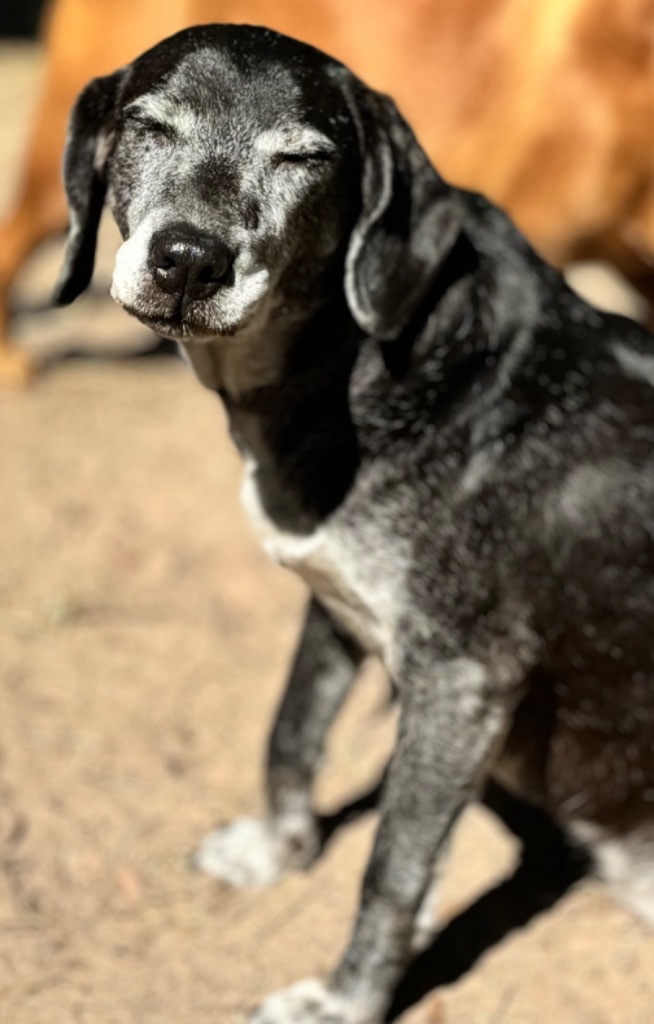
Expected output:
(162, 256)
(209, 274)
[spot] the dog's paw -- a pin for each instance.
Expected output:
(252, 852)
(246, 853)
(309, 1002)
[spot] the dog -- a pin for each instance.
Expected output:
(546, 108)
(450, 447)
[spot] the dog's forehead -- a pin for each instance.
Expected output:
(248, 93)
(213, 78)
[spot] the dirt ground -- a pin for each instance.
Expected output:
(143, 645)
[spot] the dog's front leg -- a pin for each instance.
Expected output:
(451, 719)
(258, 851)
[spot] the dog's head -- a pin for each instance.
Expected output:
(245, 169)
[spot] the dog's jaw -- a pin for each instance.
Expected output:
(250, 358)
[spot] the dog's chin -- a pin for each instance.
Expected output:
(180, 328)
(185, 327)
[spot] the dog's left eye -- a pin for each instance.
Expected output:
(313, 157)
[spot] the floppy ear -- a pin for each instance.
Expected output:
(85, 157)
(409, 221)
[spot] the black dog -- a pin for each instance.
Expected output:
(453, 450)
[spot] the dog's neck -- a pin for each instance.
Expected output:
(299, 395)
(255, 357)
(295, 430)
(244, 362)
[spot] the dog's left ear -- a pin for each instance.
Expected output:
(87, 147)
(409, 221)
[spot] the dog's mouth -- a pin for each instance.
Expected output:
(185, 318)
(183, 328)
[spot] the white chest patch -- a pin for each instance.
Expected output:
(347, 570)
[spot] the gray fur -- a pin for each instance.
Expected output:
(452, 449)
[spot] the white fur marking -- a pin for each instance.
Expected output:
(293, 139)
(309, 1002)
(635, 364)
(341, 565)
(626, 865)
(130, 268)
(160, 108)
(249, 852)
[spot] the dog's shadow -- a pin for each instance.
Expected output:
(549, 866)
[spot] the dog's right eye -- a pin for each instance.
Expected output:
(149, 125)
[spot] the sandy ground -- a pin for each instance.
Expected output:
(143, 645)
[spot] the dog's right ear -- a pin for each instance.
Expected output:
(87, 148)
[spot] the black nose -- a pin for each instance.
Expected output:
(189, 264)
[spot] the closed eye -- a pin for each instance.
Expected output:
(303, 157)
(149, 124)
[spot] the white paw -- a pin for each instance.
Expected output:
(249, 852)
(308, 1002)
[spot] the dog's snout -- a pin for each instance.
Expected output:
(189, 264)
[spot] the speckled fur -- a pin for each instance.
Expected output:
(453, 450)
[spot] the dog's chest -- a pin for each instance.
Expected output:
(344, 567)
